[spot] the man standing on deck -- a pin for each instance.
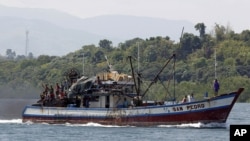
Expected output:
(216, 87)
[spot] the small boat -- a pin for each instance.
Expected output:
(111, 98)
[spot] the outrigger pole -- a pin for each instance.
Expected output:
(133, 75)
(157, 76)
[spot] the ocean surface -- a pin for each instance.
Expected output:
(12, 128)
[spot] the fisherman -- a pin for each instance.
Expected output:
(62, 87)
(184, 100)
(99, 82)
(78, 101)
(125, 103)
(73, 76)
(86, 101)
(42, 98)
(57, 89)
(216, 86)
(66, 85)
(46, 89)
(191, 98)
(52, 95)
(61, 94)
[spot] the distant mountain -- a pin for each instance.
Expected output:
(43, 37)
(53, 32)
(128, 27)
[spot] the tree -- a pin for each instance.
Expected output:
(245, 36)
(106, 44)
(130, 43)
(151, 54)
(26, 63)
(99, 55)
(219, 32)
(201, 28)
(43, 59)
(30, 56)
(189, 43)
(20, 57)
(10, 54)
(117, 56)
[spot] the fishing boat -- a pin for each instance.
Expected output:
(112, 98)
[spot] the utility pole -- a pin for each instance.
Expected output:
(27, 43)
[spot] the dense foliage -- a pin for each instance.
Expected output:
(194, 67)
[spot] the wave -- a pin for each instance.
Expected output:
(197, 125)
(8, 121)
(92, 124)
(189, 125)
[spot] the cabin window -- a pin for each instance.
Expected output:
(107, 102)
(94, 98)
(128, 90)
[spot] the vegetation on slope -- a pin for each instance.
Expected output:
(23, 77)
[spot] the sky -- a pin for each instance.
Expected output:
(232, 13)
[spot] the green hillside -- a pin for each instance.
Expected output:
(22, 77)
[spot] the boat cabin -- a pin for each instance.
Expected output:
(106, 90)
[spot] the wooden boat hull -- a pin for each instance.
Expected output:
(210, 110)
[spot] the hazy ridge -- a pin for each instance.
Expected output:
(53, 32)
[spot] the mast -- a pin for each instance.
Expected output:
(215, 64)
(83, 63)
(133, 75)
(138, 69)
(174, 77)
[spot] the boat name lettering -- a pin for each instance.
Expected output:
(195, 106)
(177, 109)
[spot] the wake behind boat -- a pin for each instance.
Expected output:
(111, 98)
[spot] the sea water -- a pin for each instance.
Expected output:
(12, 129)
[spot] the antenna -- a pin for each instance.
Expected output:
(27, 43)
(182, 32)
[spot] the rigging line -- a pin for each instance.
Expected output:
(166, 88)
(174, 75)
(169, 80)
(162, 83)
(155, 79)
